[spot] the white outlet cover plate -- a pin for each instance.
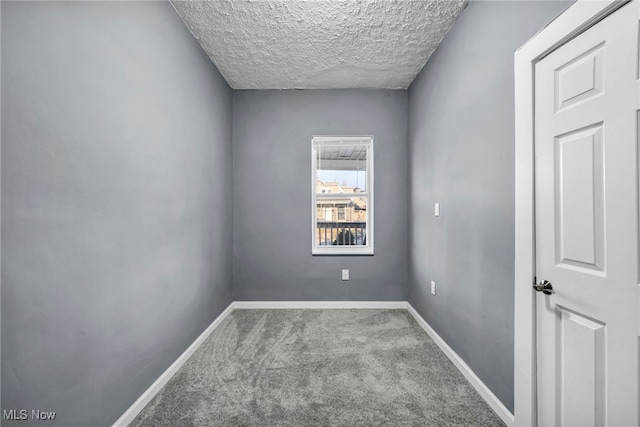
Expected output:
(433, 287)
(345, 274)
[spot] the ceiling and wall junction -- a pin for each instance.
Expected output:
(319, 44)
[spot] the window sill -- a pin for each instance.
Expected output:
(334, 251)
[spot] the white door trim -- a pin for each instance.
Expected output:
(576, 19)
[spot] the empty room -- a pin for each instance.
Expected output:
(320, 213)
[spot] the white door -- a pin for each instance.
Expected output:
(587, 102)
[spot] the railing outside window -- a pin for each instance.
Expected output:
(341, 233)
(342, 202)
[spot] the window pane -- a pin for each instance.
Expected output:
(341, 222)
(341, 169)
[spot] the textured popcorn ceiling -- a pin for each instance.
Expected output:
(318, 44)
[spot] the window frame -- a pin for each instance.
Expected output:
(337, 141)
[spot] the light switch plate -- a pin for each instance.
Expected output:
(345, 274)
(433, 287)
(436, 209)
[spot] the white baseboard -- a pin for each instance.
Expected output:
(319, 304)
(150, 393)
(480, 387)
(476, 382)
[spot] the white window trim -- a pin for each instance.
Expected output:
(332, 141)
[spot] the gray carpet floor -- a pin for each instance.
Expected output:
(318, 368)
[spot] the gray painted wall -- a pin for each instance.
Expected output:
(272, 133)
(461, 154)
(116, 203)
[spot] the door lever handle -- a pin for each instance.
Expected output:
(544, 287)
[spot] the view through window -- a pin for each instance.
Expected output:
(342, 194)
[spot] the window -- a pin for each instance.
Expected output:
(342, 185)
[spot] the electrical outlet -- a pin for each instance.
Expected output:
(436, 209)
(345, 274)
(433, 287)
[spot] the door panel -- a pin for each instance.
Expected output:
(579, 206)
(580, 383)
(579, 79)
(586, 178)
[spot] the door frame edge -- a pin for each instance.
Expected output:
(577, 18)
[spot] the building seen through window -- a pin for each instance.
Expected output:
(340, 221)
(342, 195)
